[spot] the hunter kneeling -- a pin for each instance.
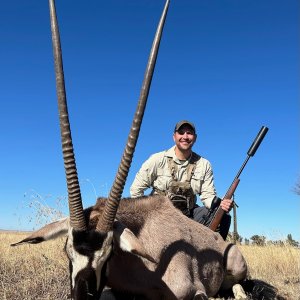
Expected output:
(181, 174)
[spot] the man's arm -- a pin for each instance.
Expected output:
(140, 184)
(208, 191)
(144, 178)
(209, 195)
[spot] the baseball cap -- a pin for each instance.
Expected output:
(184, 122)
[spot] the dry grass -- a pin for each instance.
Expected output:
(277, 265)
(37, 272)
(40, 271)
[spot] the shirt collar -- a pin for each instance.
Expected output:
(171, 153)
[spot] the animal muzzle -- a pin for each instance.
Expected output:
(86, 286)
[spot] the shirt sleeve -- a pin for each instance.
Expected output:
(144, 178)
(208, 190)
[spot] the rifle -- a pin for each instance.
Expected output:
(220, 212)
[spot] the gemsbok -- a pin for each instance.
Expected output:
(144, 247)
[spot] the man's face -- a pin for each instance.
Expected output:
(184, 138)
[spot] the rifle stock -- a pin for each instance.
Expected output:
(220, 212)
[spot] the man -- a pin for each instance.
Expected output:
(181, 174)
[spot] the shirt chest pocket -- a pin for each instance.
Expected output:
(197, 181)
(163, 179)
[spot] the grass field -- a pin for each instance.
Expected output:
(40, 271)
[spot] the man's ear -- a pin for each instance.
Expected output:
(128, 242)
(195, 137)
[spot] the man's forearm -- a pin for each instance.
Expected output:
(135, 193)
(137, 188)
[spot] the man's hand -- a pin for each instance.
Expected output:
(226, 204)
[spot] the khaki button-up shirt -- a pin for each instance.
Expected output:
(155, 173)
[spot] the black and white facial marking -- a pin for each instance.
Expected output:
(87, 251)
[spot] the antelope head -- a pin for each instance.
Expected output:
(88, 247)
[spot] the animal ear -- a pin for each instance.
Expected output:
(48, 232)
(128, 242)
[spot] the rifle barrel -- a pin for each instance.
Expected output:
(260, 136)
(219, 213)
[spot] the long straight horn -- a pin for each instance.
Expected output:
(106, 222)
(77, 220)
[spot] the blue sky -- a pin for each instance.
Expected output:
(228, 66)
